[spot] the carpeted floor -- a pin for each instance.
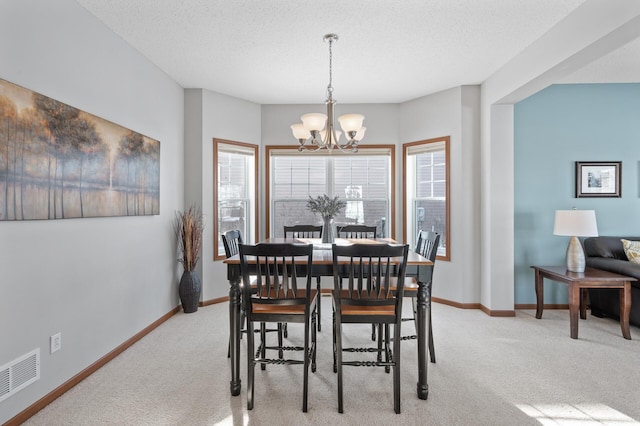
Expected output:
(489, 371)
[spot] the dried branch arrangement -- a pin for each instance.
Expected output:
(326, 206)
(188, 227)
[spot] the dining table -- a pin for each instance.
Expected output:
(417, 266)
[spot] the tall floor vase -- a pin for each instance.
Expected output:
(189, 290)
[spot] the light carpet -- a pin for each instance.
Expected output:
(489, 371)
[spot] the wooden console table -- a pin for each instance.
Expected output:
(577, 281)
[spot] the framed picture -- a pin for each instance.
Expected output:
(598, 179)
(59, 162)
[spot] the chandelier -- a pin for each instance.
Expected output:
(317, 130)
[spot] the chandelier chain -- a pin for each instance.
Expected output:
(330, 86)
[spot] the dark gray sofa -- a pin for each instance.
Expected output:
(607, 253)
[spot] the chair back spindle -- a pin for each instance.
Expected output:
(308, 231)
(231, 240)
(372, 272)
(303, 231)
(356, 231)
(427, 245)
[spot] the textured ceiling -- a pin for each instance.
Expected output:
(620, 66)
(272, 52)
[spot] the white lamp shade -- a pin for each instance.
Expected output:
(575, 223)
(314, 121)
(351, 122)
(336, 134)
(300, 132)
(360, 134)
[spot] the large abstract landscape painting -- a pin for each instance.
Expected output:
(58, 162)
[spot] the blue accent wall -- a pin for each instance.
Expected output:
(553, 129)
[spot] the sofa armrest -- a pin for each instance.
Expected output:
(617, 266)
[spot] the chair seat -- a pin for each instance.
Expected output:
(368, 310)
(355, 309)
(410, 286)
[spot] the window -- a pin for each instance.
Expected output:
(235, 191)
(364, 180)
(426, 195)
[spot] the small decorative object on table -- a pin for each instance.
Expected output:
(575, 223)
(188, 227)
(328, 208)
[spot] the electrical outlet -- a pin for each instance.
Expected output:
(56, 342)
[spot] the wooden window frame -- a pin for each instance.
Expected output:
(216, 149)
(405, 150)
(362, 150)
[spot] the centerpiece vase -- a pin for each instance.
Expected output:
(327, 230)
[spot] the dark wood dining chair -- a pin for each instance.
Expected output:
(283, 294)
(231, 241)
(426, 246)
(356, 231)
(363, 295)
(307, 231)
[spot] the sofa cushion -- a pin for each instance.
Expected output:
(632, 250)
(608, 247)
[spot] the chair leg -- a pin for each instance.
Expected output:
(263, 344)
(305, 381)
(335, 361)
(338, 354)
(432, 352)
(387, 348)
(380, 341)
(280, 341)
(396, 368)
(313, 342)
(250, 364)
(319, 306)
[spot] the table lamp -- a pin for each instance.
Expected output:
(575, 223)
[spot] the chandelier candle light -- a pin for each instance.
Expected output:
(575, 223)
(317, 130)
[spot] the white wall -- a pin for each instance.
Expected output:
(99, 281)
(212, 115)
(455, 113)
(470, 197)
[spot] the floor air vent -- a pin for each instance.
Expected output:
(19, 373)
